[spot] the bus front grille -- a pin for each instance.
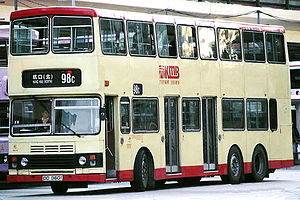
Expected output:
(52, 162)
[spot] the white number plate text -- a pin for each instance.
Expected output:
(52, 178)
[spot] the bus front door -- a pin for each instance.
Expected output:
(171, 135)
(110, 138)
(209, 134)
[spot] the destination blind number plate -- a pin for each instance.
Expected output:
(52, 178)
(51, 78)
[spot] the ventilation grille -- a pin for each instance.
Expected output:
(64, 148)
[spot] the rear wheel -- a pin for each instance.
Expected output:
(143, 173)
(59, 188)
(259, 164)
(235, 166)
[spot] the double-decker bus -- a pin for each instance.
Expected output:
(4, 105)
(111, 96)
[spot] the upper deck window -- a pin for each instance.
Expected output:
(253, 43)
(166, 40)
(112, 36)
(229, 44)
(72, 34)
(207, 43)
(275, 47)
(141, 38)
(30, 36)
(187, 42)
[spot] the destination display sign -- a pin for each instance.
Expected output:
(51, 78)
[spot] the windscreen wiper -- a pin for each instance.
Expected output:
(67, 127)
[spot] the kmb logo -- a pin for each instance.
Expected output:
(168, 72)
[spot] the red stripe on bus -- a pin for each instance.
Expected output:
(274, 164)
(160, 173)
(125, 175)
(53, 11)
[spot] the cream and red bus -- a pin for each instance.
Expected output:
(111, 96)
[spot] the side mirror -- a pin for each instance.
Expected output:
(102, 114)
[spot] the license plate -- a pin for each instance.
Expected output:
(53, 178)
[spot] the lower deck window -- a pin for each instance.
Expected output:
(257, 114)
(233, 116)
(55, 116)
(191, 115)
(145, 115)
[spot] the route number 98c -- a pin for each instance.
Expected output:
(67, 78)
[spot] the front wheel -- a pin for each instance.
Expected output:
(143, 173)
(235, 166)
(59, 188)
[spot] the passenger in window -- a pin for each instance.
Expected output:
(45, 118)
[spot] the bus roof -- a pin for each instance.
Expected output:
(50, 11)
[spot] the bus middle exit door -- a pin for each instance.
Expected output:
(172, 135)
(209, 134)
(110, 138)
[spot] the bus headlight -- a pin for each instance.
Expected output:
(24, 162)
(82, 160)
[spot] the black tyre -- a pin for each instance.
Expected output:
(259, 164)
(143, 173)
(59, 187)
(235, 166)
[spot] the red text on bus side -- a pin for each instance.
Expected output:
(168, 72)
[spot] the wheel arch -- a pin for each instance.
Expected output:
(239, 149)
(148, 153)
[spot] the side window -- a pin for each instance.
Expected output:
(72, 34)
(190, 114)
(233, 114)
(257, 114)
(275, 47)
(125, 115)
(229, 44)
(166, 40)
(30, 36)
(207, 43)
(112, 36)
(187, 42)
(145, 115)
(3, 52)
(253, 43)
(273, 114)
(141, 39)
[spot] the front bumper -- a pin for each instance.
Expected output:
(66, 178)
